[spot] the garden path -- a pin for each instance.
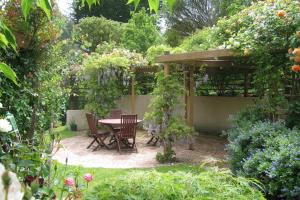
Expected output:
(208, 149)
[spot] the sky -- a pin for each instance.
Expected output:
(64, 6)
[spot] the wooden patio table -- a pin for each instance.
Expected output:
(110, 123)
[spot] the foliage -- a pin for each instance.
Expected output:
(231, 7)
(154, 4)
(111, 70)
(176, 185)
(162, 112)
(268, 152)
(203, 39)
(92, 31)
(293, 117)
(189, 15)
(141, 32)
(158, 50)
(113, 10)
(172, 37)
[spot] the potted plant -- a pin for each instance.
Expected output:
(73, 125)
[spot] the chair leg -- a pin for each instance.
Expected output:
(91, 143)
(150, 140)
(118, 143)
(156, 140)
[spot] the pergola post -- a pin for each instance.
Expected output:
(190, 101)
(166, 69)
(185, 83)
(133, 98)
(246, 84)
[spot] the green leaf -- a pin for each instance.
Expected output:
(8, 72)
(8, 35)
(154, 5)
(135, 2)
(89, 2)
(46, 6)
(3, 41)
(26, 5)
(171, 3)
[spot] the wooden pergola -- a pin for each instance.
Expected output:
(212, 60)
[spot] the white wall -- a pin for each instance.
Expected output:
(211, 113)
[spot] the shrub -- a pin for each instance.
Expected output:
(268, 152)
(203, 39)
(176, 185)
(141, 32)
(92, 31)
(293, 118)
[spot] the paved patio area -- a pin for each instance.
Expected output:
(208, 149)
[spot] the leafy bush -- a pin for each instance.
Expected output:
(176, 186)
(293, 118)
(92, 31)
(110, 70)
(268, 152)
(203, 39)
(141, 32)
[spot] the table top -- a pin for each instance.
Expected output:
(113, 121)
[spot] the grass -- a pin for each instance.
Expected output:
(101, 175)
(216, 183)
(64, 132)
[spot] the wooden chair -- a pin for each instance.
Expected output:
(127, 131)
(154, 130)
(115, 113)
(98, 136)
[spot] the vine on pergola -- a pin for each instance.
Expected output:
(106, 78)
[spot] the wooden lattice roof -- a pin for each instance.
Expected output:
(210, 58)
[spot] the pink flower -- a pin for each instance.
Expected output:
(88, 177)
(69, 181)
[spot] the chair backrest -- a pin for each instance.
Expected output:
(128, 126)
(91, 122)
(115, 113)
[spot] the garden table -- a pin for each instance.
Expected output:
(111, 123)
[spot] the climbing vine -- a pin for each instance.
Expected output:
(166, 98)
(106, 77)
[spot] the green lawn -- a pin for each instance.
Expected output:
(214, 184)
(64, 132)
(103, 174)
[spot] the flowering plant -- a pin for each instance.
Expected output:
(5, 126)
(73, 184)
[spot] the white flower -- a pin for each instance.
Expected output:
(14, 189)
(5, 126)
(1, 106)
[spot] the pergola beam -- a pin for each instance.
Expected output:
(220, 54)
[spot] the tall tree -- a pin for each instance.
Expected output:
(115, 10)
(190, 15)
